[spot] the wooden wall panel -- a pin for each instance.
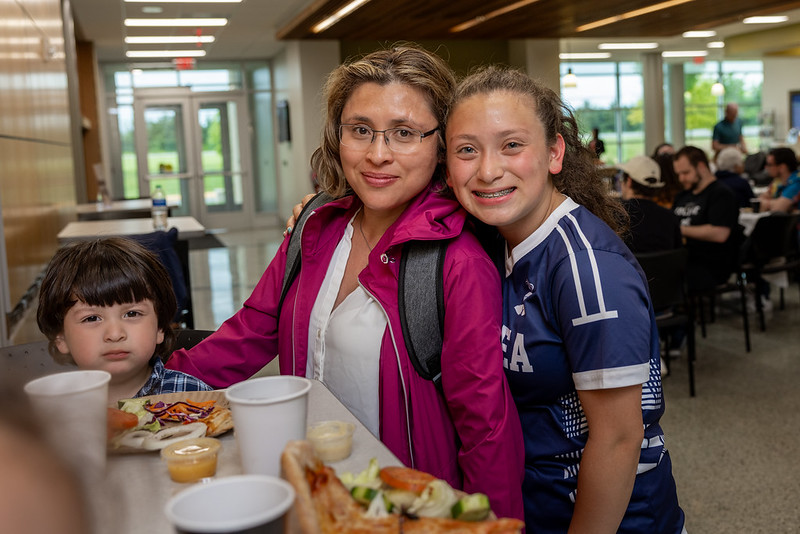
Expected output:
(37, 183)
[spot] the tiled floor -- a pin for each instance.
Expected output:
(734, 446)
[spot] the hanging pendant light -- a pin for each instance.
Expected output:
(570, 80)
(717, 89)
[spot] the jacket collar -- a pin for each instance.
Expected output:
(429, 216)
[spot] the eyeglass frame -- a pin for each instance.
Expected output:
(422, 135)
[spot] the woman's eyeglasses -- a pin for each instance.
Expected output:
(399, 140)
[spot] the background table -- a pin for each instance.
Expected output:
(135, 208)
(131, 500)
(188, 228)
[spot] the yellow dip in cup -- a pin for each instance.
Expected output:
(193, 459)
(332, 440)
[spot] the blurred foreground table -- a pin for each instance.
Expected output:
(131, 500)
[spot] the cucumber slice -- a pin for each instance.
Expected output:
(473, 507)
(363, 494)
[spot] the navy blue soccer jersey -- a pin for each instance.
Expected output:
(578, 317)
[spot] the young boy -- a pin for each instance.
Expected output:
(108, 304)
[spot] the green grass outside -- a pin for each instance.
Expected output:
(171, 186)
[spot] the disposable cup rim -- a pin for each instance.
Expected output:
(205, 525)
(232, 392)
(31, 388)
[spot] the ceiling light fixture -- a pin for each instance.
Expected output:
(766, 20)
(699, 33)
(152, 10)
(630, 14)
(176, 22)
(627, 46)
(339, 15)
(716, 44)
(585, 55)
(170, 39)
(684, 53)
(480, 19)
(570, 80)
(165, 53)
(717, 89)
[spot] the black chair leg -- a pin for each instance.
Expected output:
(690, 345)
(745, 321)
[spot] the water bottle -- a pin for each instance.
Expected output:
(159, 209)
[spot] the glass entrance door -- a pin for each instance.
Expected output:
(194, 146)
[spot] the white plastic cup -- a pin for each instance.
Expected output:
(242, 504)
(268, 412)
(71, 409)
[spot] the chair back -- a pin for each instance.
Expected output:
(187, 338)
(666, 276)
(774, 236)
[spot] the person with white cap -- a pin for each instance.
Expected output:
(652, 227)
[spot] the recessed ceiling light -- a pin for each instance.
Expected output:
(716, 44)
(699, 33)
(176, 22)
(684, 53)
(165, 53)
(587, 55)
(766, 20)
(627, 46)
(170, 39)
(152, 10)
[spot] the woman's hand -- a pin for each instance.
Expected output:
(296, 213)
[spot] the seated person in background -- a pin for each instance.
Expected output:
(782, 167)
(108, 304)
(596, 145)
(666, 195)
(663, 148)
(730, 165)
(709, 221)
(652, 228)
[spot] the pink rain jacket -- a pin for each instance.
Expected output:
(471, 435)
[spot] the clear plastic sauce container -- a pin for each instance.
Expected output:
(191, 460)
(332, 440)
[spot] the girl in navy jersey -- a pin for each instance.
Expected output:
(580, 342)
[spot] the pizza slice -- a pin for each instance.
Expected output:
(324, 505)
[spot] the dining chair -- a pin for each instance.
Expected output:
(167, 246)
(666, 278)
(737, 283)
(771, 248)
(186, 338)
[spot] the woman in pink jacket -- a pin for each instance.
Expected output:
(382, 157)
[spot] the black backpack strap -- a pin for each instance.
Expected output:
(293, 252)
(421, 301)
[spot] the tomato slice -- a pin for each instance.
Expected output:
(406, 478)
(119, 420)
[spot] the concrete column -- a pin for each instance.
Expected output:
(653, 85)
(677, 109)
(539, 58)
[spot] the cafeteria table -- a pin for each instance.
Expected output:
(135, 208)
(137, 486)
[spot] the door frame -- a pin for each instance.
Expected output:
(192, 135)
